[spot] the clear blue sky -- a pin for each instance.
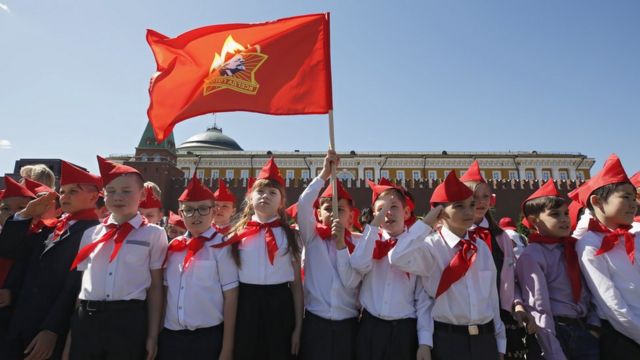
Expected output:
(407, 75)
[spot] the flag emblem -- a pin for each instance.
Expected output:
(235, 68)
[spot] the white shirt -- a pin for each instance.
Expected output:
(195, 296)
(325, 293)
(583, 224)
(517, 240)
(614, 282)
(472, 300)
(128, 276)
(255, 267)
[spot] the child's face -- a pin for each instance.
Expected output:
(345, 213)
(458, 216)
(197, 215)
(123, 194)
(266, 201)
(153, 215)
(174, 231)
(394, 218)
(11, 205)
(621, 206)
(553, 222)
(482, 198)
(224, 210)
(74, 198)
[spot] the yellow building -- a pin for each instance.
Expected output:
(217, 155)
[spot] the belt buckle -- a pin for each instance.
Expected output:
(88, 306)
(473, 330)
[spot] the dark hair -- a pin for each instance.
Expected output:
(366, 216)
(100, 202)
(539, 205)
(605, 192)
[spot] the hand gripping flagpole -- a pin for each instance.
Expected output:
(334, 180)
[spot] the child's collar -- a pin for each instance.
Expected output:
(254, 217)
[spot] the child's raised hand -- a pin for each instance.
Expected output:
(431, 218)
(380, 215)
(337, 232)
(38, 206)
(330, 158)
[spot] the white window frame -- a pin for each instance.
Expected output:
(400, 175)
(432, 174)
(200, 173)
(215, 174)
(563, 175)
(513, 175)
(244, 174)
(305, 174)
(384, 174)
(529, 175)
(257, 172)
(496, 174)
(368, 174)
(416, 174)
(579, 175)
(187, 173)
(290, 174)
(546, 175)
(229, 174)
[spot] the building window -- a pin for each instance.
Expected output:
(483, 174)
(143, 157)
(229, 174)
(157, 157)
(415, 174)
(305, 174)
(496, 175)
(187, 173)
(345, 175)
(215, 174)
(462, 172)
(446, 173)
(244, 174)
(400, 174)
(529, 174)
(564, 175)
(432, 174)
(290, 174)
(200, 174)
(257, 173)
(546, 175)
(580, 175)
(384, 174)
(368, 174)
(513, 175)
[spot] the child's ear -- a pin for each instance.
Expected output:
(596, 201)
(407, 213)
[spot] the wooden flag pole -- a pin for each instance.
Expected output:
(334, 180)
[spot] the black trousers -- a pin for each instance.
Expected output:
(328, 339)
(115, 330)
(205, 343)
(380, 339)
(615, 345)
(264, 322)
(462, 346)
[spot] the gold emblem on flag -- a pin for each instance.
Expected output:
(235, 68)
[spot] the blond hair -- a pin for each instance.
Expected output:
(155, 188)
(40, 173)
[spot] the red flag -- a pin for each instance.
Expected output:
(281, 67)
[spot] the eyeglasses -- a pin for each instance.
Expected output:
(202, 210)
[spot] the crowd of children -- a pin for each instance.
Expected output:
(86, 272)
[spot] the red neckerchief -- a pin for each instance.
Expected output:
(222, 230)
(252, 228)
(459, 264)
(410, 221)
(41, 224)
(611, 237)
(192, 246)
(61, 226)
(482, 233)
(114, 231)
(324, 232)
(570, 257)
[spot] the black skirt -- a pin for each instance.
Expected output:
(264, 323)
(204, 343)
